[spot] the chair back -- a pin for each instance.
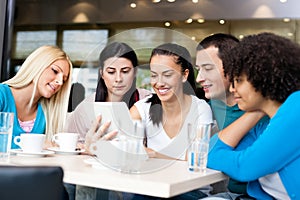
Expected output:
(32, 182)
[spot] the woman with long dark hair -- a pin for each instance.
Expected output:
(174, 105)
(116, 82)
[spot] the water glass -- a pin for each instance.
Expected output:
(133, 149)
(6, 127)
(198, 147)
(126, 153)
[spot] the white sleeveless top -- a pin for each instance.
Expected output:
(157, 138)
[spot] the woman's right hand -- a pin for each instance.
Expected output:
(98, 132)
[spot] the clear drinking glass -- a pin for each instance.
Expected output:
(6, 127)
(198, 147)
(135, 154)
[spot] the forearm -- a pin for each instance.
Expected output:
(154, 154)
(232, 134)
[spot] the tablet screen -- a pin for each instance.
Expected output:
(116, 112)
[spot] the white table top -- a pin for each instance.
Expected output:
(172, 179)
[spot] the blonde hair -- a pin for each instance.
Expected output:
(55, 108)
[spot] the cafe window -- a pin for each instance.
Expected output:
(143, 40)
(84, 45)
(27, 41)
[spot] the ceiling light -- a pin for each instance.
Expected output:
(290, 34)
(241, 36)
(133, 5)
(195, 1)
(283, 1)
(222, 21)
(189, 20)
(286, 19)
(155, 1)
(171, 1)
(201, 20)
(193, 38)
(167, 24)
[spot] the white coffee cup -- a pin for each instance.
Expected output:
(66, 141)
(30, 142)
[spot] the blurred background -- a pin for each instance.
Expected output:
(83, 27)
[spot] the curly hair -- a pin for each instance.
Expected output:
(270, 62)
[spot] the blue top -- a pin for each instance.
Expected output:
(224, 116)
(276, 149)
(7, 104)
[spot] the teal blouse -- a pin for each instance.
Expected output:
(7, 104)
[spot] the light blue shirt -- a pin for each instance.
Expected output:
(7, 104)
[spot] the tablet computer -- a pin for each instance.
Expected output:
(116, 112)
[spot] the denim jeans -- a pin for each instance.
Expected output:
(228, 196)
(192, 195)
(89, 193)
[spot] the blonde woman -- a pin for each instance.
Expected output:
(38, 94)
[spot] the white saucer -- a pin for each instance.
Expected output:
(58, 151)
(94, 163)
(19, 152)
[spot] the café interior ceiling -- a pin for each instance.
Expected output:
(110, 11)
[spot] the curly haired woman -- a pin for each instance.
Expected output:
(265, 73)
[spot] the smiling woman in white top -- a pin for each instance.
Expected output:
(168, 112)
